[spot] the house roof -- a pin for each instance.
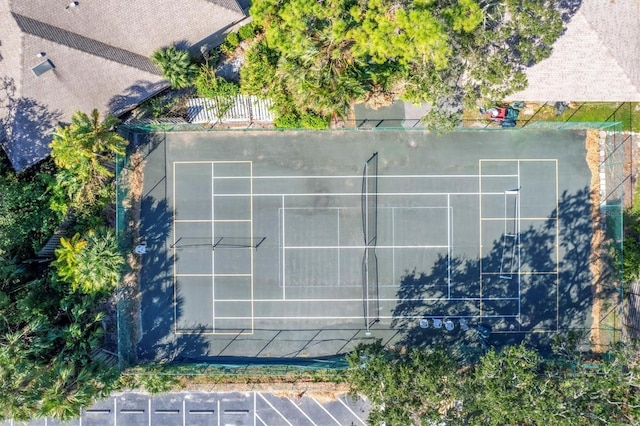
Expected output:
(58, 57)
(596, 59)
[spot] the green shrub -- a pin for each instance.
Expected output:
(287, 121)
(209, 86)
(309, 120)
(247, 32)
(259, 70)
(233, 40)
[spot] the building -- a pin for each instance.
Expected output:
(58, 57)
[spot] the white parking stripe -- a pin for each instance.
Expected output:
(300, 409)
(275, 409)
(325, 410)
(352, 412)
(261, 421)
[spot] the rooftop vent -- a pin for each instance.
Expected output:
(42, 67)
(72, 5)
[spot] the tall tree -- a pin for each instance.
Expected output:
(447, 53)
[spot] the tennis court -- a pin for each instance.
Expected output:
(277, 244)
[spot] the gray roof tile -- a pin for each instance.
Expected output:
(84, 44)
(99, 50)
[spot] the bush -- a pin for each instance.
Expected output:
(248, 31)
(312, 121)
(259, 70)
(287, 121)
(212, 87)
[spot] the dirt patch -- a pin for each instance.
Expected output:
(323, 392)
(132, 177)
(597, 262)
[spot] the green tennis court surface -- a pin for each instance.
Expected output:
(283, 244)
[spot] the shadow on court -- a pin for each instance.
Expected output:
(549, 302)
(158, 341)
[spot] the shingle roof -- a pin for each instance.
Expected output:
(84, 44)
(99, 53)
(596, 59)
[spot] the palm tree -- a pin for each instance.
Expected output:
(100, 265)
(66, 261)
(92, 265)
(85, 151)
(176, 66)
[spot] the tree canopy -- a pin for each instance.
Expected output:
(84, 152)
(513, 386)
(324, 56)
(53, 317)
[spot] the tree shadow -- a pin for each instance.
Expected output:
(26, 127)
(160, 305)
(552, 293)
(568, 8)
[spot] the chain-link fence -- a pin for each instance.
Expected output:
(613, 145)
(125, 329)
(319, 369)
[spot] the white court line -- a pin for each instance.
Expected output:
(359, 208)
(338, 216)
(302, 411)
(356, 194)
(354, 317)
(352, 412)
(449, 231)
(217, 333)
(557, 252)
(212, 162)
(252, 251)
(522, 218)
(213, 275)
(525, 273)
(349, 300)
(210, 220)
(325, 410)
(213, 255)
(255, 413)
(480, 229)
(284, 254)
(519, 244)
(348, 176)
(275, 409)
(393, 241)
(175, 257)
(513, 160)
(360, 247)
